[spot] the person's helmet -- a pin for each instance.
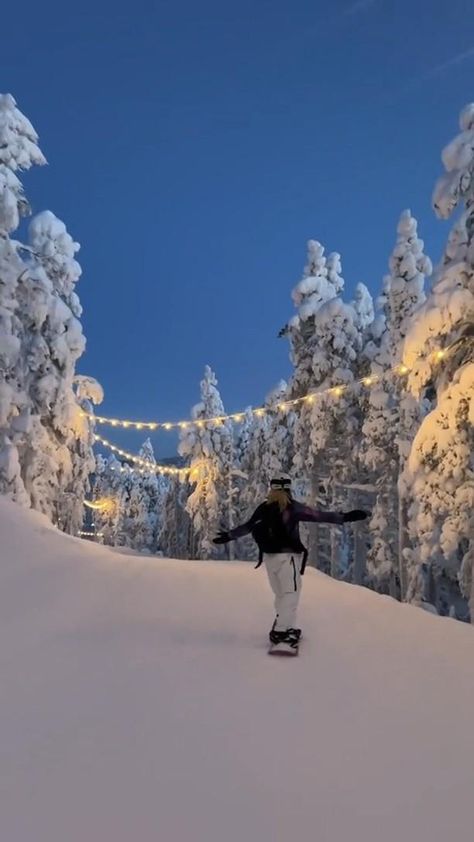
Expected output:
(281, 482)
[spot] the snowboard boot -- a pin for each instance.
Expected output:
(293, 637)
(286, 640)
(274, 635)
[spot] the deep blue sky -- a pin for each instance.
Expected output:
(193, 149)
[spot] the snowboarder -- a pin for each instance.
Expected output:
(274, 527)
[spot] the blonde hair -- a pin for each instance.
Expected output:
(280, 496)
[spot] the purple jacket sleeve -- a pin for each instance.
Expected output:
(308, 515)
(246, 528)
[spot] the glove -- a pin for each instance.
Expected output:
(354, 514)
(222, 538)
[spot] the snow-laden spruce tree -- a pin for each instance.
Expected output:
(249, 450)
(108, 482)
(130, 499)
(18, 151)
(45, 439)
(264, 449)
(53, 343)
(175, 539)
(137, 532)
(392, 415)
(148, 491)
(77, 469)
(325, 337)
(335, 418)
(209, 449)
(265, 444)
(125, 507)
(278, 447)
(319, 284)
(439, 351)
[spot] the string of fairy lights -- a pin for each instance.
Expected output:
(144, 466)
(239, 417)
(87, 533)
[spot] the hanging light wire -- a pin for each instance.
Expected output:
(239, 417)
(145, 466)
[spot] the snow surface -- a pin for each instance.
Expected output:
(137, 702)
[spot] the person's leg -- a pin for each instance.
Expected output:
(285, 579)
(272, 564)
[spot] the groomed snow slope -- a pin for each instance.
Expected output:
(138, 704)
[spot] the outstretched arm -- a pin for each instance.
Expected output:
(305, 514)
(240, 531)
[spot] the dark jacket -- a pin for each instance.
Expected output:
(287, 538)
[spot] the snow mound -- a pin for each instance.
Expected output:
(138, 703)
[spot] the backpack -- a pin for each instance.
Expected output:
(272, 534)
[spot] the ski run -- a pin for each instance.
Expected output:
(137, 702)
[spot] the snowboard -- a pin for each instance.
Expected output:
(283, 649)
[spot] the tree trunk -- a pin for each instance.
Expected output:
(393, 589)
(314, 531)
(335, 552)
(359, 555)
(402, 546)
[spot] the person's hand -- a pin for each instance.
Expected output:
(355, 514)
(221, 538)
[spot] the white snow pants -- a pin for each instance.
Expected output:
(285, 579)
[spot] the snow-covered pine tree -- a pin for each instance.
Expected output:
(249, 453)
(131, 499)
(209, 448)
(250, 449)
(278, 445)
(264, 449)
(108, 481)
(125, 507)
(265, 446)
(53, 343)
(361, 490)
(309, 295)
(44, 460)
(137, 530)
(320, 282)
(77, 471)
(147, 495)
(325, 337)
(175, 539)
(439, 351)
(392, 414)
(335, 419)
(18, 151)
